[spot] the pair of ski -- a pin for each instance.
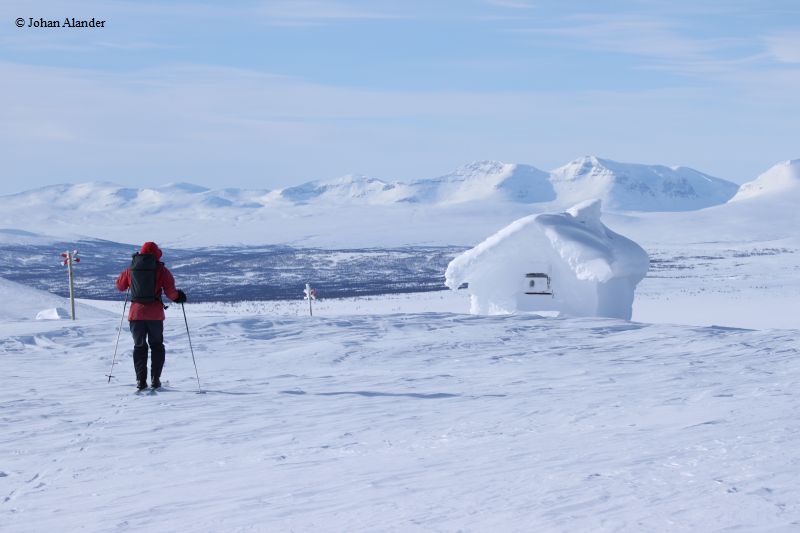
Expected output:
(152, 391)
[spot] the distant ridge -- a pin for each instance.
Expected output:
(486, 180)
(621, 186)
(782, 178)
(637, 187)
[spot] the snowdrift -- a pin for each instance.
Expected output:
(567, 262)
(54, 313)
(25, 303)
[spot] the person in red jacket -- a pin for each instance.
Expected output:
(148, 278)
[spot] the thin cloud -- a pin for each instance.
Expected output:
(510, 4)
(210, 116)
(135, 46)
(664, 44)
(315, 12)
(636, 36)
(784, 47)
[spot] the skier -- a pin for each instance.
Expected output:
(147, 277)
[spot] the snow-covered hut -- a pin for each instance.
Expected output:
(567, 262)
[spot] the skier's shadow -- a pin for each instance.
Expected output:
(373, 394)
(230, 393)
(209, 391)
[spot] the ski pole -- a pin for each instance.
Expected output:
(190, 347)
(124, 306)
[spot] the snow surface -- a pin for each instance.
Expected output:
(411, 421)
(591, 270)
(54, 313)
(405, 413)
(24, 303)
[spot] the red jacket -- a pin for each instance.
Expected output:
(164, 282)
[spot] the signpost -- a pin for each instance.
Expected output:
(310, 294)
(68, 258)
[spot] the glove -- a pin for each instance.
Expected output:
(181, 297)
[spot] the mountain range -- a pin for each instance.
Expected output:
(364, 236)
(652, 202)
(621, 186)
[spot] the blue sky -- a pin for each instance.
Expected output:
(265, 94)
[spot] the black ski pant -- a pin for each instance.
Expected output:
(148, 332)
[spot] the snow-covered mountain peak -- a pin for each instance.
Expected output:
(591, 165)
(353, 179)
(632, 186)
(579, 167)
(621, 186)
(350, 187)
(111, 198)
(484, 180)
(782, 178)
(481, 169)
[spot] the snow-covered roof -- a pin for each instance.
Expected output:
(592, 251)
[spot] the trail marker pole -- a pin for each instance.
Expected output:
(310, 294)
(71, 286)
(68, 259)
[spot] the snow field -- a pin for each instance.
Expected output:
(397, 414)
(402, 422)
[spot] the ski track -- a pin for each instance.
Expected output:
(402, 422)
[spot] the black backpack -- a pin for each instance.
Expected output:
(143, 278)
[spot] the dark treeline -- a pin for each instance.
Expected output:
(233, 274)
